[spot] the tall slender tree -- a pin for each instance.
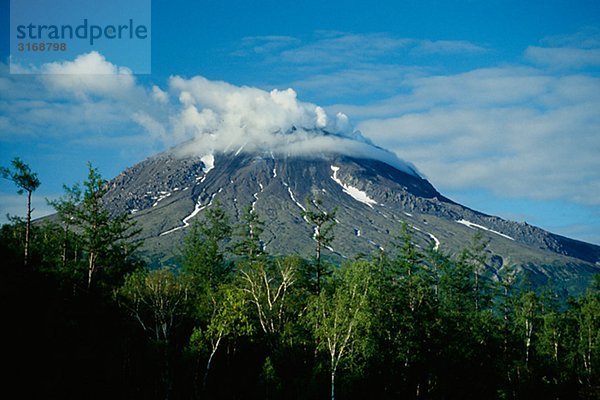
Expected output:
(27, 182)
(106, 238)
(323, 223)
(340, 315)
(202, 253)
(249, 244)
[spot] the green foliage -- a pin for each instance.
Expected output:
(156, 299)
(21, 175)
(340, 315)
(408, 323)
(323, 223)
(267, 285)
(104, 239)
(249, 245)
(202, 256)
(230, 320)
(26, 181)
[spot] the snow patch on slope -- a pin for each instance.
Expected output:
(293, 197)
(436, 240)
(163, 195)
(355, 193)
(474, 225)
(209, 162)
(255, 195)
(197, 208)
(431, 235)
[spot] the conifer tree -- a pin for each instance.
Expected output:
(26, 181)
(323, 223)
(106, 239)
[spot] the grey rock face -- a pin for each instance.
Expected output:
(166, 193)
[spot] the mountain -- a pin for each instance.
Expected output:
(167, 192)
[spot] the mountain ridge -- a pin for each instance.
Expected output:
(165, 193)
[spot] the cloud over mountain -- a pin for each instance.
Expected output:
(218, 116)
(204, 115)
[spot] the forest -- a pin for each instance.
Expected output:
(86, 318)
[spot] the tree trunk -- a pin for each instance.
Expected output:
(210, 358)
(91, 266)
(476, 290)
(318, 260)
(27, 229)
(65, 246)
(332, 383)
(529, 331)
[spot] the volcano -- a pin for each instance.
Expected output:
(167, 192)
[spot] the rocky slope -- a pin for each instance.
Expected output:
(166, 193)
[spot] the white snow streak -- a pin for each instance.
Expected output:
(436, 240)
(473, 225)
(197, 208)
(255, 195)
(355, 193)
(163, 195)
(293, 198)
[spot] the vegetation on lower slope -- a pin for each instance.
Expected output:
(234, 322)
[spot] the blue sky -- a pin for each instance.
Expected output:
(496, 102)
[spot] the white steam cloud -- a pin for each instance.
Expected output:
(196, 115)
(210, 116)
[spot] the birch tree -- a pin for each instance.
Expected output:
(527, 314)
(229, 320)
(155, 299)
(340, 316)
(267, 285)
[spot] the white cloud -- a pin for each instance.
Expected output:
(328, 48)
(88, 74)
(513, 131)
(159, 95)
(218, 116)
(517, 131)
(265, 44)
(576, 51)
(564, 57)
(86, 96)
(448, 47)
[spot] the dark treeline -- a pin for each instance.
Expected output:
(84, 318)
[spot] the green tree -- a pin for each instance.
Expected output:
(527, 311)
(27, 182)
(267, 285)
(229, 320)
(249, 244)
(340, 315)
(475, 256)
(105, 239)
(323, 223)
(67, 208)
(158, 301)
(203, 259)
(588, 336)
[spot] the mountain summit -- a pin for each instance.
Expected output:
(169, 191)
